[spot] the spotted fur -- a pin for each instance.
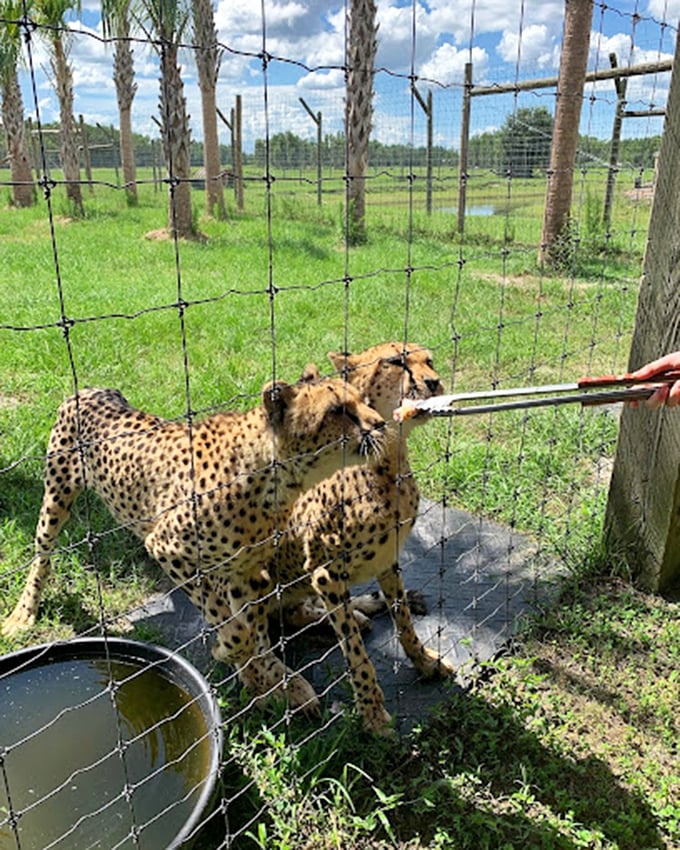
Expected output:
(208, 501)
(351, 527)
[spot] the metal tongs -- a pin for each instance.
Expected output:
(586, 391)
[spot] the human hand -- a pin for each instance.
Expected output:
(667, 394)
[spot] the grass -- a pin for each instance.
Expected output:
(567, 742)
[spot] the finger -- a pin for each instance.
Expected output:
(673, 399)
(668, 361)
(658, 398)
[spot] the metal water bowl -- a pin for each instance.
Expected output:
(105, 743)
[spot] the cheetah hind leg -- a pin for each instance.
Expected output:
(428, 662)
(53, 515)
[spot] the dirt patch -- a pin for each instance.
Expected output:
(164, 235)
(641, 193)
(9, 401)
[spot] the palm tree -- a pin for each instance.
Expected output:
(23, 193)
(361, 52)
(116, 24)
(51, 14)
(572, 79)
(208, 58)
(166, 21)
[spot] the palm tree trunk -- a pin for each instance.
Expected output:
(572, 78)
(70, 155)
(207, 65)
(359, 110)
(23, 192)
(176, 142)
(214, 191)
(126, 88)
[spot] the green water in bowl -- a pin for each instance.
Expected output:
(86, 765)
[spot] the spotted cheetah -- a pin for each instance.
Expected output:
(208, 499)
(351, 527)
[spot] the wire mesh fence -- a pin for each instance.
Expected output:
(256, 561)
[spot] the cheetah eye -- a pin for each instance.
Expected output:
(396, 361)
(342, 410)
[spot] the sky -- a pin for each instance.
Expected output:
(506, 40)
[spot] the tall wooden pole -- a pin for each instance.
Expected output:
(573, 67)
(643, 512)
(318, 120)
(464, 144)
(238, 153)
(621, 86)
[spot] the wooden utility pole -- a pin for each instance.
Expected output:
(642, 524)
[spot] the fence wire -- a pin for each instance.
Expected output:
(188, 328)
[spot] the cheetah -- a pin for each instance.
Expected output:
(351, 527)
(208, 499)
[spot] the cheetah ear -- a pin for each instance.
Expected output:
(341, 360)
(310, 374)
(276, 397)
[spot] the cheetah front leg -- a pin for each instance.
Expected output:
(243, 640)
(426, 661)
(368, 695)
(54, 512)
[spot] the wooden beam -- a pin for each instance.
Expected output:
(591, 77)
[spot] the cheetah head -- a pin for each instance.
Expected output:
(386, 374)
(325, 423)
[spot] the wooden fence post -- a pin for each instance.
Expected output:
(238, 152)
(464, 143)
(642, 522)
(621, 85)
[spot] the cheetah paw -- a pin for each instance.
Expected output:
(379, 721)
(18, 621)
(431, 665)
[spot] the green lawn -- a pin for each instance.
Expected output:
(568, 742)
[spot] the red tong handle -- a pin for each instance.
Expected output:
(667, 377)
(638, 389)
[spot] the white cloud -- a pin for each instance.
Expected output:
(461, 17)
(323, 80)
(447, 64)
(535, 44)
(668, 10)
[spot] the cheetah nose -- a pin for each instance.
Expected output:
(433, 385)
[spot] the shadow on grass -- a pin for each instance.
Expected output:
(488, 781)
(90, 541)
(474, 778)
(20, 497)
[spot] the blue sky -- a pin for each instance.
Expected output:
(505, 40)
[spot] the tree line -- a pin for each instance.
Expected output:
(522, 147)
